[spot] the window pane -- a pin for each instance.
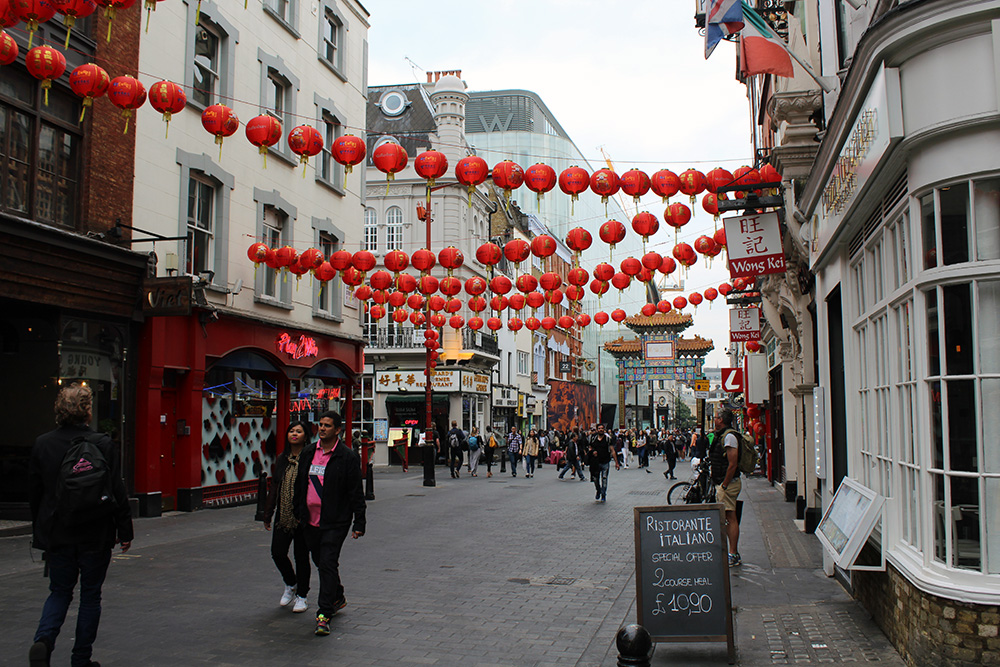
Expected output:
(986, 199)
(937, 430)
(992, 510)
(989, 327)
(955, 224)
(16, 142)
(990, 399)
(929, 230)
(933, 344)
(966, 550)
(957, 322)
(206, 66)
(56, 185)
(962, 441)
(940, 538)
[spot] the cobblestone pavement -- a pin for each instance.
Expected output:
(473, 572)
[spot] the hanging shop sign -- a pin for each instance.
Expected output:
(744, 324)
(754, 245)
(166, 296)
(445, 381)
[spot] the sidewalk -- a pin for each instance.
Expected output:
(488, 572)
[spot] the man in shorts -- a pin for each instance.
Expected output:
(723, 457)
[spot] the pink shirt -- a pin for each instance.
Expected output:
(317, 469)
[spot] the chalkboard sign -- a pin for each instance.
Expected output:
(682, 574)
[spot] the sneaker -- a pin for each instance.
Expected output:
(598, 496)
(734, 560)
(38, 655)
(300, 605)
(287, 596)
(322, 625)
(339, 604)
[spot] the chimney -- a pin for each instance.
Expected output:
(434, 77)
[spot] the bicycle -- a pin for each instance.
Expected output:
(698, 490)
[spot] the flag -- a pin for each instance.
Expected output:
(722, 18)
(762, 51)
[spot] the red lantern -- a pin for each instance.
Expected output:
(111, 9)
(646, 275)
(477, 304)
(612, 232)
(621, 281)
(453, 305)
(399, 315)
(548, 323)
(380, 280)
(475, 286)
(604, 182)
(566, 322)
(516, 301)
(498, 303)
(311, 259)
(363, 293)
(306, 142)
(645, 225)
(430, 165)
(507, 176)
(363, 261)
(635, 183)
(340, 260)
(578, 276)
(717, 178)
(753, 346)
(417, 319)
(604, 271)
(73, 10)
(535, 300)
(285, 257)
(526, 283)
(415, 302)
(428, 285)
(573, 181)
(740, 284)
(128, 94)
(667, 266)
(711, 294)
(550, 281)
(217, 119)
(677, 215)
(685, 254)
(34, 12)
(769, 174)
(489, 254)
(437, 320)
(494, 323)
(583, 319)
(324, 272)
(579, 239)
(747, 177)
(435, 302)
(390, 158)
(539, 178)
(710, 202)
(500, 284)
(631, 266)
(652, 260)
(8, 49)
(532, 324)
(618, 315)
(680, 303)
(348, 150)
(543, 246)
(695, 298)
(47, 64)
(258, 253)
(725, 289)
(450, 286)
(475, 323)
(470, 172)
(663, 306)
(706, 246)
(456, 321)
(169, 98)
(396, 299)
(665, 183)
(376, 312)
(517, 250)
(599, 287)
(396, 261)
(720, 237)
(423, 260)
(451, 258)
(692, 183)
(515, 324)
(88, 82)
(648, 310)
(601, 318)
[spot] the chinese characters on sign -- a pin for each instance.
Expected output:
(754, 244)
(452, 380)
(744, 324)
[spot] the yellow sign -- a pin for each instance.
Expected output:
(701, 385)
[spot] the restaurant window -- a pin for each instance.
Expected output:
(364, 405)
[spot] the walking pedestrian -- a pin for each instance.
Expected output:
(493, 442)
(514, 444)
(531, 449)
(601, 453)
(571, 457)
(475, 451)
(670, 455)
(328, 498)
(723, 460)
(288, 530)
(456, 440)
(77, 530)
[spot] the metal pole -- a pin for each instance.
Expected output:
(430, 451)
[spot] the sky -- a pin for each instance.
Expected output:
(628, 78)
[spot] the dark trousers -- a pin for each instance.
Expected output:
(455, 460)
(66, 565)
(488, 458)
(299, 575)
(325, 545)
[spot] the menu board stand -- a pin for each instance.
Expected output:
(682, 574)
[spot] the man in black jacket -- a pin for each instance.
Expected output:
(74, 546)
(328, 495)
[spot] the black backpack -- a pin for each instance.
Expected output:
(83, 485)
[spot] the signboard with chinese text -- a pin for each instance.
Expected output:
(754, 245)
(392, 381)
(744, 324)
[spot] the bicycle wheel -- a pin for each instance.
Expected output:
(678, 493)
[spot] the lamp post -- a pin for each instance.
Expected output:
(430, 451)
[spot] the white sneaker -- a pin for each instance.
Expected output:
(287, 596)
(300, 604)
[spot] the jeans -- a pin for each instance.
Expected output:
(300, 574)
(572, 466)
(600, 475)
(529, 463)
(474, 460)
(455, 460)
(66, 564)
(513, 459)
(488, 458)
(325, 545)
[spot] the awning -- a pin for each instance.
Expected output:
(414, 398)
(246, 360)
(326, 370)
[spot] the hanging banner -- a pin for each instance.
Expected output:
(754, 245)
(744, 324)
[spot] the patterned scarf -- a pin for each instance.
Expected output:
(286, 517)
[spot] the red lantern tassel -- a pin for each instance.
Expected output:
(87, 101)
(69, 22)
(46, 84)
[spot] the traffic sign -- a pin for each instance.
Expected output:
(701, 384)
(732, 379)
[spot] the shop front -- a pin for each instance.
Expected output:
(215, 399)
(504, 408)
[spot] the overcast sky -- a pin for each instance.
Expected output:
(628, 77)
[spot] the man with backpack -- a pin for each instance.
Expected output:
(79, 512)
(456, 443)
(726, 457)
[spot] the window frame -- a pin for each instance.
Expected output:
(324, 228)
(274, 72)
(273, 200)
(369, 234)
(328, 9)
(393, 227)
(229, 37)
(327, 114)
(225, 182)
(289, 22)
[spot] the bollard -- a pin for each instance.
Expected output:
(635, 646)
(261, 497)
(503, 461)
(430, 454)
(370, 482)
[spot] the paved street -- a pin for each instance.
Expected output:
(481, 571)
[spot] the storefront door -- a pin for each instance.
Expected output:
(168, 453)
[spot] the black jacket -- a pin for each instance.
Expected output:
(273, 493)
(43, 472)
(343, 496)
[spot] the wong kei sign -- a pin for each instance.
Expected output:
(754, 245)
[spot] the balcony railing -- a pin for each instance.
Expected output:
(408, 337)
